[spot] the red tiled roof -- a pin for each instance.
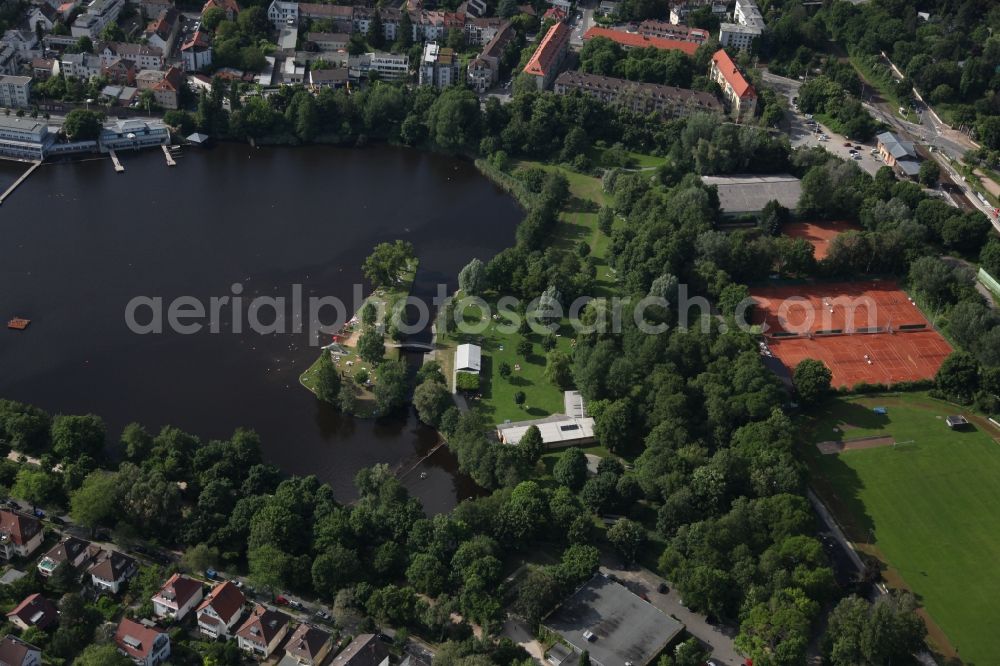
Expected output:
(20, 527)
(36, 611)
(179, 589)
(224, 5)
(307, 642)
(554, 41)
(732, 74)
(198, 40)
(262, 625)
(141, 638)
(632, 40)
(554, 13)
(225, 598)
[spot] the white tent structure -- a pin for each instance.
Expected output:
(468, 358)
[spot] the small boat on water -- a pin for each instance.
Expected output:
(18, 323)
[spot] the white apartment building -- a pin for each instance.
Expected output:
(388, 66)
(98, 14)
(439, 67)
(281, 13)
(15, 91)
(738, 36)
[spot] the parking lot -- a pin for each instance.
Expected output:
(803, 131)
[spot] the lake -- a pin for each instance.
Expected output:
(81, 241)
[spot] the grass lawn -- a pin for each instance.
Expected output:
(927, 509)
(499, 346)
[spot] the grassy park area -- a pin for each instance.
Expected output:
(926, 507)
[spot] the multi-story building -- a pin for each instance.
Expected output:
(388, 66)
(146, 646)
(481, 31)
(112, 569)
(548, 57)
(21, 535)
(71, 550)
(739, 94)
(98, 14)
(230, 7)
(16, 652)
(747, 13)
(329, 41)
(143, 56)
(83, 66)
(308, 646)
(166, 85)
(282, 13)
(196, 52)
(439, 67)
(632, 40)
(15, 91)
(221, 610)
(737, 36)
(178, 596)
(667, 101)
(679, 12)
(665, 30)
(328, 78)
(162, 31)
(262, 632)
(23, 41)
(133, 133)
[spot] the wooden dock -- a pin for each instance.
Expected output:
(170, 158)
(118, 165)
(24, 177)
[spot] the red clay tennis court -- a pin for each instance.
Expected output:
(864, 331)
(819, 234)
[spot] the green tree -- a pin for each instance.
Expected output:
(35, 486)
(524, 347)
(431, 399)
(266, 566)
(81, 124)
(334, 569)
(112, 33)
(391, 386)
(103, 654)
(571, 468)
(371, 346)
(812, 381)
(212, 17)
(200, 557)
(558, 369)
(384, 265)
(95, 503)
(531, 445)
(427, 575)
(472, 278)
(136, 442)
(929, 173)
(958, 377)
(454, 120)
(376, 31)
(73, 436)
(327, 379)
(627, 537)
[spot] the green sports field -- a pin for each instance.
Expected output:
(929, 508)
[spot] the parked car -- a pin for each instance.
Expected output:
(39, 513)
(211, 574)
(662, 588)
(847, 144)
(589, 636)
(57, 520)
(323, 615)
(13, 504)
(297, 605)
(281, 600)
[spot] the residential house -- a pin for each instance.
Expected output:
(898, 154)
(24, 41)
(555, 14)
(44, 14)
(308, 646)
(15, 92)
(484, 71)
(162, 31)
(146, 646)
(221, 610)
(328, 78)
(734, 35)
(364, 650)
(15, 652)
(388, 66)
(178, 596)
(119, 72)
(92, 21)
(747, 13)
(282, 13)
(480, 31)
(119, 95)
(230, 7)
(143, 56)
(665, 30)
(112, 570)
(475, 7)
(83, 66)
(739, 94)
(20, 534)
(196, 52)
(292, 73)
(34, 611)
(9, 62)
(439, 66)
(548, 57)
(263, 631)
(642, 98)
(42, 68)
(680, 11)
(166, 85)
(71, 550)
(342, 17)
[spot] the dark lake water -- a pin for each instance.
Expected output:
(79, 241)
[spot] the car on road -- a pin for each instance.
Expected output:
(589, 636)
(39, 513)
(281, 600)
(297, 605)
(13, 504)
(323, 615)
(857, 146)
(847, 144)
(238, 583)
(856, 156)
(211, 574)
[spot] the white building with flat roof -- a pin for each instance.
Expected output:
(99, 13)
(15, 91)
(24, 138)
(738, 36)
(133, 133)
(557, 431)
